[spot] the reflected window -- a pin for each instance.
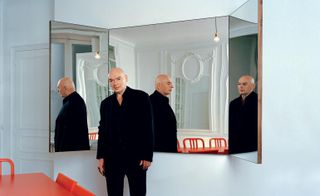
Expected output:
(112, 57)
(92, 83)
(78, 48)
(180, 100)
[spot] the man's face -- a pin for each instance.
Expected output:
(61, 89)
(245, 86)
(165, 86)
(118, 81)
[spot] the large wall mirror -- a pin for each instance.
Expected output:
(198, 67)
(205, 72)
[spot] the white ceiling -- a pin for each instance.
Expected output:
(200, 30)
(188, 31)
(115, 13)
(191, 31)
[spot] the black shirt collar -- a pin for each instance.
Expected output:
(67, 98)
(161, 97)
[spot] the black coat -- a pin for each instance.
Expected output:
(243, 124)
(71, 130)
(126, 130)
(165, 124)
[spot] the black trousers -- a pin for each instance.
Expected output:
(117, 169)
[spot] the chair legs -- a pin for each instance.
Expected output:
(6, 160)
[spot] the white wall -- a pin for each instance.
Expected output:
(290, 80)
(25, 84)
(1, 79)
(290, 93)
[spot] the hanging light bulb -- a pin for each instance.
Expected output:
(97, 55)
(216, 37)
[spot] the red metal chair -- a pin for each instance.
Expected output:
(6, 160)
(218, 142)
(179, 147)
(193, 143)
(93, 136)
(65, 182)
(81, 191)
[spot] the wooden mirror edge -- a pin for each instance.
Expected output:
(259, 159)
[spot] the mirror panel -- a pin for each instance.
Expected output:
(197, 64)
(244, 61)
(81, 53)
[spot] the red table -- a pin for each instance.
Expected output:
(33, 184)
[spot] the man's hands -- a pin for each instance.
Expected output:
(145, 164)
(101, 166)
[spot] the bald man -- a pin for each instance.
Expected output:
(71, 130)
(243, 118)
(165, 123)
(125, 144)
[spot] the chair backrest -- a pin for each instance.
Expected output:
(81, 191)
(218, 142)
(193, 143)
(65, 181)
(6, 160)
(93, 136)
(178, 146)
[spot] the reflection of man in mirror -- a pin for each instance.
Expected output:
(71, 131)
(243, 118)
(125, 144)
(165, 124)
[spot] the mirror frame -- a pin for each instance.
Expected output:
(260, 20)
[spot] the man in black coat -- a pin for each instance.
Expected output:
(243, 118)
(71, 130)
(125, 144)
(165, 124)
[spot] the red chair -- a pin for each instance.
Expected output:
(81, 191)
(5, 160)
(218, 143)
(193, 143)
(93, 136)
(179, 147)
(65, 181)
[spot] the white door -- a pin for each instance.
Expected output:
(30, 109)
